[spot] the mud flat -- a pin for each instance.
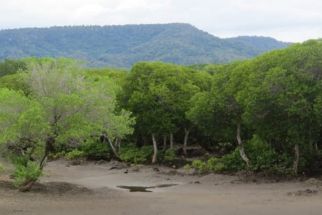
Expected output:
(97, 189)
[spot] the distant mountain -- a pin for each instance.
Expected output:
(122, 46)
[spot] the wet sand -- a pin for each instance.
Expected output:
(92, 189)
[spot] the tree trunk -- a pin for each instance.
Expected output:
(164, 142)
(43, 161)
(106, 140)
(185, 141)
(155, 150)
(117, 145)
(296, 159)
(50, 141)
(27, 186)
(48, 148)
(119, 142)
(113, 149)
(171, 141)
(241, 147)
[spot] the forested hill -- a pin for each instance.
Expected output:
(122, 46)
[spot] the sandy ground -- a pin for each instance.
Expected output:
(92, 189)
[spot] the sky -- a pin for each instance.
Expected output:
(285, 20)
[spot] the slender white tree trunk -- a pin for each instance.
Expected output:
(185, 141)
(113, 147)
(171, 141)
(164, 142)
(119, 142)
(296, 159)
(241, 147)
(155, 150)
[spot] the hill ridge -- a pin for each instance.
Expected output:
(124, 45)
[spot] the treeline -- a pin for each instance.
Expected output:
(262, 115)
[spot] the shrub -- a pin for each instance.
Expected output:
(263, 158)
(169, 155)
(187, 167)
(75, 154)
(96, 150)
(200, 165)
(57, 155)
(1, 168)
(26, 172)
(211, 165)
(261, 155)
(215, 165)
(132, 154)
(310, 162)
(232, 162)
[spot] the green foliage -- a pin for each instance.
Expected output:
(77, 108)
(311, 163)
(57, 155)
(268, 107)
(61, 107)
(158, 95)
(218, 165)
(275, 97)
(22, 124)
(96, 150)
(232, 162)
(75, 154)
(1, 168)
(25, 173)
(170, 155)
(9, 66)
(228, 163)
(132, 154)
(263, 159)
(15, 82)
(199, 165)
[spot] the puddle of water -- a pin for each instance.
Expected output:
(164, 185)
(145, 188)
(135, 188)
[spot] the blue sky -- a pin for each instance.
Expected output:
(287, 20)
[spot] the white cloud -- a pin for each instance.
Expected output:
(288, 20)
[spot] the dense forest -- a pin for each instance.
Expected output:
(260, 115)
(123, 46)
